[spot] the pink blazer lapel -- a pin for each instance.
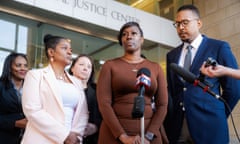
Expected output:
(49, 76)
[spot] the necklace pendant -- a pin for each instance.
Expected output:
(61, 78)
(135, 70)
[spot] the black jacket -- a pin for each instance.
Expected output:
(94, 114)
(10, 111)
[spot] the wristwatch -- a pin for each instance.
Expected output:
(149, 136)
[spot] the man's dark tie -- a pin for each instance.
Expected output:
(188, 57)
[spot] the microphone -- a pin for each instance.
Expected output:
(191, 78)
(209, 62)
(143, 82)
(201, 77)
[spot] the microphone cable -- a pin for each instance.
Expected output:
(205, 89)
(231, 117)
(199, 81)
(213, 62)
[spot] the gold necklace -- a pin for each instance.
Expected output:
(135, 68)
(135, 63)
(132, 61)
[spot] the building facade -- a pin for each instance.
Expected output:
(93, 25)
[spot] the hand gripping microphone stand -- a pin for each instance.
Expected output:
(143, 81)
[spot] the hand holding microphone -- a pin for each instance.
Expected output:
(143, 82)
(191, 78)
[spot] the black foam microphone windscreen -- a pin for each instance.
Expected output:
(186, 75)
(143, 81)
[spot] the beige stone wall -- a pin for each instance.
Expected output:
(221, 20)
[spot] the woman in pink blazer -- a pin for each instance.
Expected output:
(53, 101)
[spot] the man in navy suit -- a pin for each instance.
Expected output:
(195, 116)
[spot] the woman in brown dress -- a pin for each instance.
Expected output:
(116, 91)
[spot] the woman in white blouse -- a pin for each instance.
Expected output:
(53, 101)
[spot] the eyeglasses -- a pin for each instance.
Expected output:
(184, 23)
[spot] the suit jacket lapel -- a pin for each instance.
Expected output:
(177, 57)
(199, 57)
(177, 54)
(49, 76)
(13, 94)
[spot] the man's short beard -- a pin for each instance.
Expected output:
(187, 40)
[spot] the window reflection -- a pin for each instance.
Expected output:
(7, 39)
(3, 55)
(22, 39)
